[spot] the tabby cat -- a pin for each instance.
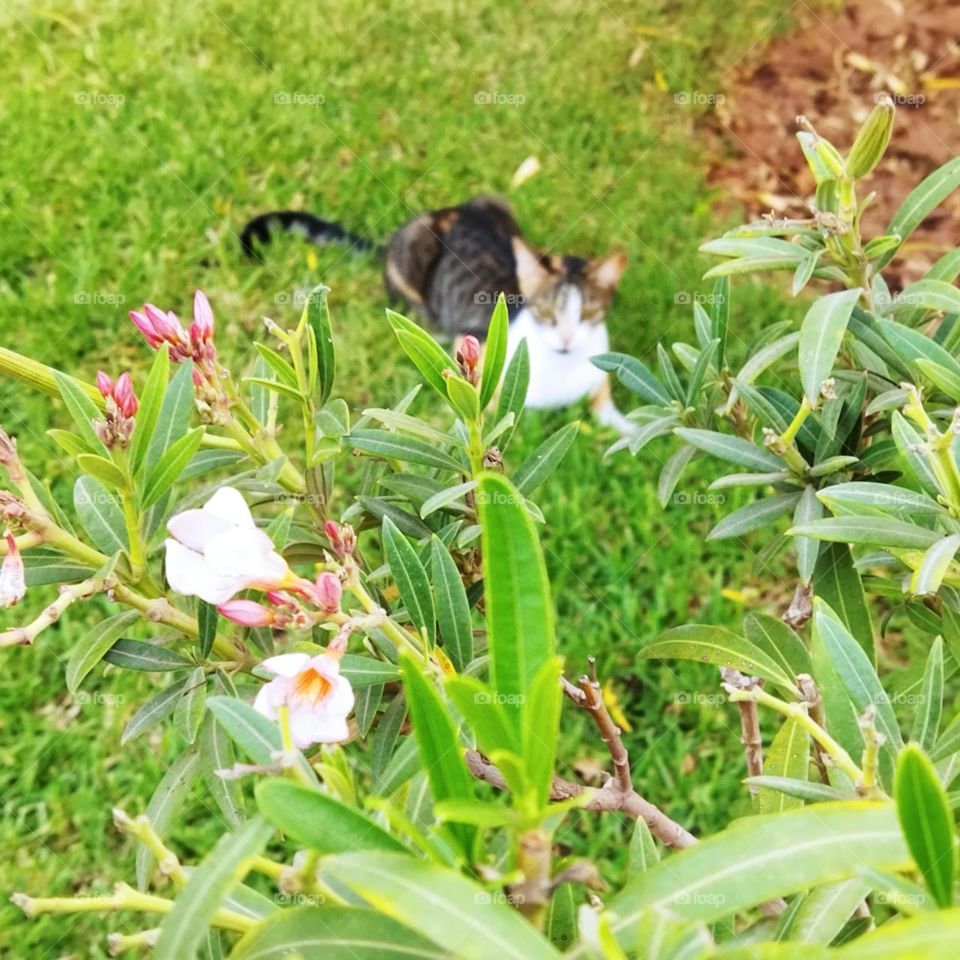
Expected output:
(450, 264)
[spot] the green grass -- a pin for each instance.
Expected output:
(138, 141)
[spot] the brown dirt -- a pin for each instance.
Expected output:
(830, 68)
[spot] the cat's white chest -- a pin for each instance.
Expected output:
(558, 379)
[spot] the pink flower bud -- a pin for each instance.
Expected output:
(248, 613)
(104, 385)
(327, 592)
(343, 541)
(13, 583)
(202, 327)
(124, 396)
(468, 356)
(145, 326)
(166, 325)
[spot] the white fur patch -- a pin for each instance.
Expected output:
(558, 379)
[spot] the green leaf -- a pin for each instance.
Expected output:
(485, 717)
(333, 933)
(367, 672)
(926, 821)
(779, 642)
(103, 469)
(216, 753)
(927, 294)
(912, 346)
(876, 531)
(380, 507)
(453, 609)
(761, 360)
(810, 790)
(440, 905)
(541, 729)
(519, 611)
(319, 821)
(151, 399)
(911, 446)
(81, 408)
(184, 928)
(100, 515)
(167, 799)
(89, 651)
(189, 709)
(699, 371)
(672, 471)
(257, 736)
(445, 497)
(318, 317)
(928, 577)
(423, 350)
(947, 380)
(789, 757)
(174, 416)
(137, 655)
(278, 364)
(808, 508)
(561, 924)
(821, 334)
(411, 578)
(153, 711)
(463, 397)
(169, 467)
(73, 444)
(932, 936)
(733, 449)
(704, 643)
(438, 744)
(207, 618)
(545, 459)
(643, 855)
(879, 499)
(395, 447)
(634, 375)
(926, 721)
(857, 674)
(825, 910)
(760, 858)
(668, 373)
(513, 394)
(494, 352)
(922, 200)
(760, 513)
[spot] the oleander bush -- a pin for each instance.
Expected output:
(354, 625)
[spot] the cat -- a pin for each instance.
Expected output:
(449, 265)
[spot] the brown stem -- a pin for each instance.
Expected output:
(749, 723)
(810, 695)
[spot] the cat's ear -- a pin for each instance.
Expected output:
(531, 273)
(606, 271)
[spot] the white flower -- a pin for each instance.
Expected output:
(217, 551)
(13, 584)
(317, 697)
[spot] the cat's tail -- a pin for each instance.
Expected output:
(257, 232)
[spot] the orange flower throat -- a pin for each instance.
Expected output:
(311, 687)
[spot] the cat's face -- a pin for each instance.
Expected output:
(567, 296)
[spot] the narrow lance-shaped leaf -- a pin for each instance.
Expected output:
(318, 317)
(453, 609)
(926, 721)
(513, 395)
(423, 350)
(438, 743)
(89, 651)
(821, 334)
(174, 416)
(837, 583)
(634, 375)
(926, 821)
(411, 578)
(545, 459)
(184, 928)
(494, 352)
(733, 449)
(928, 577)
(520, 618)
(100, 515)
(149, 409)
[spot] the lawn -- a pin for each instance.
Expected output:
(139, 139)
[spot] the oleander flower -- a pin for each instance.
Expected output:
(217, 551)
(317, 697)
(327, 592)
(13, 584)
